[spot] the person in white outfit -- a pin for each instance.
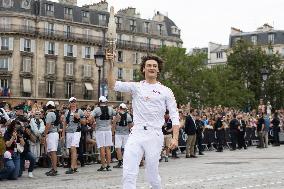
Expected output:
(37, 127)
(150, 99)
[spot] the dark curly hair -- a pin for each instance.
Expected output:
(159, 60)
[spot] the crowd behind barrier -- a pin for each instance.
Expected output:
(87, 151)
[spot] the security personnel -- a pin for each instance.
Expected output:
(220, 133)
(122, 126)
(241, 132)
(233, 125)
(199, 133)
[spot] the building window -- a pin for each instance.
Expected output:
(4, 43)
(50, 67)
(149, 42)
(50, 28)
(87, 52)
(51, 47)
(68, 11)
(27, 64)
(67, 31)
(160, 29)
(270, 51)
(69, 68)
(254, 39)
(7, 3)
(120, 73)
(4, 62)
(146, 25)
(50, 91)
(119, 96)
(85, 14)
(118, 22)
(70, 50)
(87, 70)
(132, 25)
(4, 83)
(27, 45)
(49, 7)
(271, 38)
(219, 55)
(102, 19)
(120, 56)
(69, 89)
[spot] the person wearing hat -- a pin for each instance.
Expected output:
(103, 115)
(72, 127)
(123, 124)
(150, 99)
(51, 136)
(37, 127)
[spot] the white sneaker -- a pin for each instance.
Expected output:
(30, 175)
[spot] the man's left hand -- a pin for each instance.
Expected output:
(173, 144)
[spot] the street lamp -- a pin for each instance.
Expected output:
(99, 59)
(264, 73)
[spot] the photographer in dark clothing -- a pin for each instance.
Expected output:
(241, 133)
(220, 133)
(199, 132)
(233, 125)
(276, 129)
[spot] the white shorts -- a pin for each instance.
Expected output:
(52, 142)
(120, 140)
(73, 139)
(104, 138)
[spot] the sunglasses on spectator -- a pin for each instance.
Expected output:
(73, 101)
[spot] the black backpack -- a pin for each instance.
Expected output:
(105, 114)
(57, 120)
(123, 120)
(68, 117)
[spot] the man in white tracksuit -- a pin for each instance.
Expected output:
(150, 99)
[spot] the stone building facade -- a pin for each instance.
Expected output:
(47, 48)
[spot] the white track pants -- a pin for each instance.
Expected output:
(140, 142)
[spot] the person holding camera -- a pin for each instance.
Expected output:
(37, 127)
(72, 126)
(51, 136)
(14, 143)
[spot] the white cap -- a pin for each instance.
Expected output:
(51, 103)
(8, 155)
(123, 106)
(103, 99)
(72, 99)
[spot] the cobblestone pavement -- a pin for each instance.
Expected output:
(241, 169)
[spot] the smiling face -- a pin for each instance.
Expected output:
(151, 69)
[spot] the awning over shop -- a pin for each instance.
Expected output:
(89, 86)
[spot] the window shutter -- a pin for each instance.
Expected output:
(56, 49)
(53, 67)
(83, 51)
(65, 29)
(46, 44)
(71, 68)
(32, 45)
(131, 74)
(90, 70)
(46, 27)
(92, 53)
(74, 50)
(48, 67)
(0, 40)
(22, 41)
(65, 49)
(10, 64)
(11, 43)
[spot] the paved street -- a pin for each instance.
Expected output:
(241, 169)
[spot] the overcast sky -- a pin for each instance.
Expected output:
(202, 21)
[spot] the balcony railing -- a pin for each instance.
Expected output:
(17, 29)
(137, 45)
(75, 36)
